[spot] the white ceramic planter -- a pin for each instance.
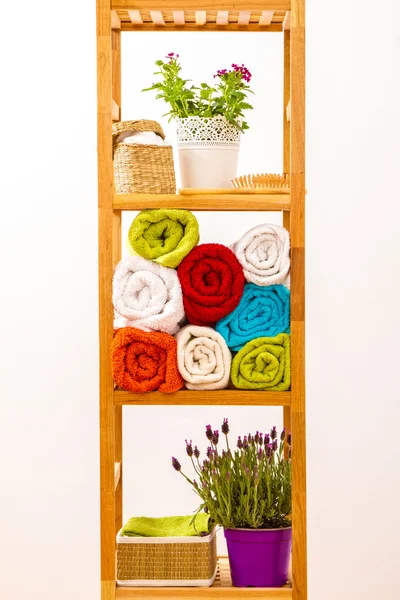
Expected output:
(208, 151)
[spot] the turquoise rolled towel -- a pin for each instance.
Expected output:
(262, 312)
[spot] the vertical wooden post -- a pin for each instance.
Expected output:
(105, 201)
(116, 94)
(286, 163)
(297, 184)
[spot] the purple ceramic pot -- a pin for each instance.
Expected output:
(259, 557)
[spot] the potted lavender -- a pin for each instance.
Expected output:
(209, 120)
(248, 492)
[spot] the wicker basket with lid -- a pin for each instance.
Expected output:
(142, 168)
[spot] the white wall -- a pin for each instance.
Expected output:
(48, 317)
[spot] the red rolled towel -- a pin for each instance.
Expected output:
(212, 283)
(144, 361)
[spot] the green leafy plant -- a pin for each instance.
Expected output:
(227, 97)
(249, 487)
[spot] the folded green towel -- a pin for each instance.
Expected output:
(263, 364)
(167, 526)
(163, 235)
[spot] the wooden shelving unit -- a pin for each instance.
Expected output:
(286, 16)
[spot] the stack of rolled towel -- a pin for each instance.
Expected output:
(201, 316)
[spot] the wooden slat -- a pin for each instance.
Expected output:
(115, 22)
(115, 111)
(191, 5)
(288, 110)
(266, 17)
(254, 27)
(105, 212)
(222, 17)
(135, 17)
(286, 100)
(224, 202)
(244, 17)
(179, 17)
(157, 17)
(201, 17)
(116, 68)
(287, 21)
(298, 409)
(117, 474)
(235, 191)
(227, 397)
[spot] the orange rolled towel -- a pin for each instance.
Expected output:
(145, 361)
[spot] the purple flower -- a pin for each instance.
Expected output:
(176, 464)
(274, 434)
(256, 437)
(245, 73)
(269, 450)
(171, 56)
(275, 446)
(225, 427)
(289, 438)
(215, 437)
(261, 440)
(209, 452)
(221, 72)
(209, 433)
(239, 443)
(189, 448)
(266, 439)
(283, 434)
(260, 454)
(196, 452)
(245, 443)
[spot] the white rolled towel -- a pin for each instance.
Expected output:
(147, 295)
(204, 359)
(263, 253)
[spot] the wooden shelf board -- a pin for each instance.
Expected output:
(201, 16)
(204, 202)
(221, 588)
(230, 396)
(117, 474)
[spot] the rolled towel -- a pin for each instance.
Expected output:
(163, 235)
(147, 295)
(204, 360)
(145, 361)
(262, 312)
(263, 253)
(263, 364)
(212, 283)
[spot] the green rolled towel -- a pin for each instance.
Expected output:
(263, 364)
(167, 526)
(163, 235)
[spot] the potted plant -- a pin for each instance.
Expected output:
(209, 121)
(248, 491)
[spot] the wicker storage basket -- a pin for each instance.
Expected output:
(166, 561)
(142, 168)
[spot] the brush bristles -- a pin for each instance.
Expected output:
(263, 180)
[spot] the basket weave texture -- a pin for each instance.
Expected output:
(180, 561)
(142, 168)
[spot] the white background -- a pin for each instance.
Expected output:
(49, 541)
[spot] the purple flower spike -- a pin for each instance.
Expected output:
(275, 446)
(256, 437)
(269, 450)
(260, 454)
(209, 432)
(176, 464)
(261, 440)
(225, 427)
(266, 439)
(196, 452)
(274, 434)
(215, 437)
(289, 438)
(189, 448)
(239, 443)
(283, 434)
(209, 452)
(245, 443)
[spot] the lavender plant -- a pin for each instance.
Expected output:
(227, 97)
(249, 487)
